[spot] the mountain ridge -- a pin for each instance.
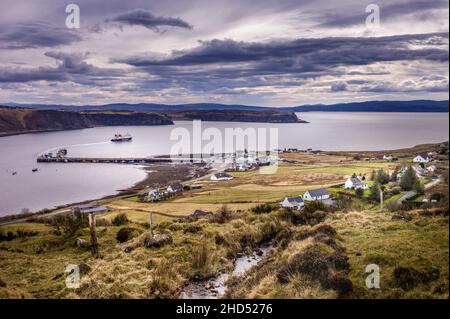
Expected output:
(367, 106)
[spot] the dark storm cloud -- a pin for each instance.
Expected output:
(144, 18)
(387, 12)
(36, 35)
(70, 67)
(302, 55)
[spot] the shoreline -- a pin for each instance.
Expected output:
(159, 175)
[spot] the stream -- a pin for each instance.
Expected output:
(215, 288)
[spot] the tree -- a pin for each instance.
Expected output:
(408, 179)
(382, 177)
(418, 188)
(375, 192)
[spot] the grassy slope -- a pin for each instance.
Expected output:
(29, 264)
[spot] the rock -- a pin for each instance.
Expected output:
(208, 286)
(259, 252)
(157, 241)
(81, 243)
(128, 249)
(406, 218)
(84, 268)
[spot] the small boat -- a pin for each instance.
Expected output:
(122, 138)
(34, 170)
(14, 173)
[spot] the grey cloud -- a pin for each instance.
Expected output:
(389, 11)
(70, 67)
(302, 53)
(147, 19)
(338, 87)
(36, 35)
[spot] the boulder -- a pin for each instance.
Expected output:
(81, 243)
(157, 241)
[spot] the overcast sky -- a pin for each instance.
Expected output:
(258, 52)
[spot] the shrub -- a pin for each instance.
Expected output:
(120, 220)
(165, 280)
(408, 277)
(200, 257)
(124, 234)
(69, 224)
(408, 179)
(314, 206)
(359, 192)
(264, 209)
(222, 216)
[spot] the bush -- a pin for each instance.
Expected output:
(120, 220)
(200, 257)
(222, 216)
(124, 234)
(359, 192)
(314, 206)
(263, 209)
(407, 277)
(69, 224)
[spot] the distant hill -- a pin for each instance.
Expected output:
(369, 106)
(21, 120)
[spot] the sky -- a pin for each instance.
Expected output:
(254, 52)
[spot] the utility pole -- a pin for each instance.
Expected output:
(151, 223)
(94, 243)
(381, 199)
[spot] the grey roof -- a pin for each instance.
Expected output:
(355, 181)
(199, 213)
(424, 155)
(176, 187)
(94, 209)
(318, 192)
(295, 200)
(222, 175)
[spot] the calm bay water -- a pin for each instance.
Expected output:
(57, 184)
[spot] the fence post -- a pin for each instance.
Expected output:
(94, 243)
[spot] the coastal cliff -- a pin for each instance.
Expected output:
(266, 116)
(18, 120)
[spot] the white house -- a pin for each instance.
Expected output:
(293, 202)
(316, 194)
(388, 157)
(422, 158)
(355, 183)
(175, 188)
(155, 195)
(431, 168)
(221, 177)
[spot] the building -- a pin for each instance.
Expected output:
(431, 168)
(90, 208)
(422, 158)
(293, 203)
(221, 177)
(199, 214)
(155, 195)
(316, 194)
(175, 188)
(355, 183)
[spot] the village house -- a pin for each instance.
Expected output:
(316, 194)
(355, 183)
(155, 195)
(90, 208)
(431, 169)
(388, 157)
(175, 188)
(221, 177)
(422, 158)
(293, 203)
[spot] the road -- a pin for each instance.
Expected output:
(410, 194)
